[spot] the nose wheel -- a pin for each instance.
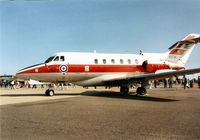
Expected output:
(141, 91)
(49, 92)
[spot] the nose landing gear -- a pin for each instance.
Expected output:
(49, 92)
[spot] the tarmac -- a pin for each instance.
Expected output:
(96, 114)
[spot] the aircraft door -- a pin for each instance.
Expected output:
(147, 67)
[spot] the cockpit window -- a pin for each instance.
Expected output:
(62, 58)
(49, 59)
(56, 58)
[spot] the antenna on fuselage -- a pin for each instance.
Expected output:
(141, 52)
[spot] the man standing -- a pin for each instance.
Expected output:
(184, 82)
(170, 82)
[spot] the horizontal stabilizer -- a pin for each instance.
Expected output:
(191, 41)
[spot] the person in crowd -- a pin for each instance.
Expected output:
(191, 83)
(184, 82)
(170, 82)
(155, 83)
(165, 83)
(12, 84)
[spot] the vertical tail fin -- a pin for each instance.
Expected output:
(181, 50)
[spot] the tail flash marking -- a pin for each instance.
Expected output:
(178, 51)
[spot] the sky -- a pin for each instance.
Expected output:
(33, 30)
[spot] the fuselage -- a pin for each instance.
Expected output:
(80, 68)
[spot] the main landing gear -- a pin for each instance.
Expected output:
(141, 91)
(125, 90)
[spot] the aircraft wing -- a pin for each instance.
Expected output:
(166, 74)
(151, 76)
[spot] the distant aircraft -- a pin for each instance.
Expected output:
(104, 69)
(34, 82)
(7, 77)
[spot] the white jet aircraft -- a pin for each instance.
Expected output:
(104, 69)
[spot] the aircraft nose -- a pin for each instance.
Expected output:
(29, 72)
(19, 72)
(24, 70)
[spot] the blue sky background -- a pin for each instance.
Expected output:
(32, 30)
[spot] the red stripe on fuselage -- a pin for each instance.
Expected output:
(73, 68)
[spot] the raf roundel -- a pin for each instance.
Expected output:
(63, 68)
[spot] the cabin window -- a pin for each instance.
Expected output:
(104, 61)
(57, 58)
(136, 61)
(62, 58)
(112, 61)
(96, 61)
(129, 61)
(121, 61)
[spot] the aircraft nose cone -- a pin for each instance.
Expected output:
(18, 72)
(25, 73)
(28, 72)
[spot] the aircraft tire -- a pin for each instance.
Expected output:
(141, 91)
(124, 90)
(49, 92)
